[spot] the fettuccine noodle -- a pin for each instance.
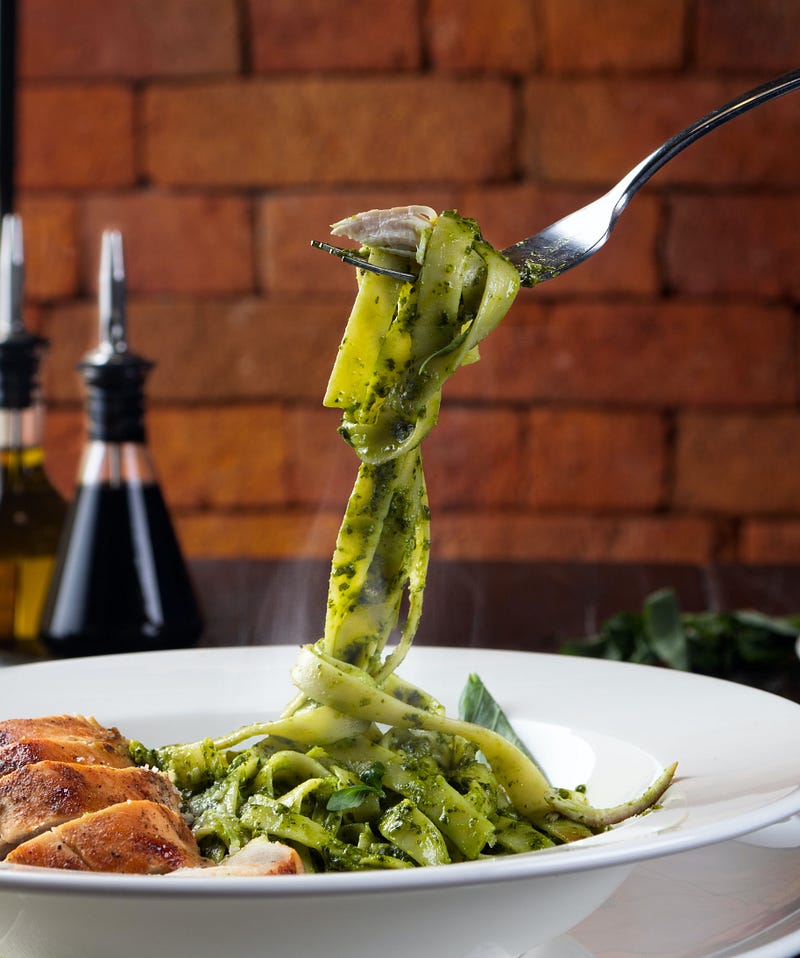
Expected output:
(364, 770)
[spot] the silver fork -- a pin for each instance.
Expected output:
(579, 235)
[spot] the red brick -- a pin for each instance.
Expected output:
(212, 349)
(498, 536)
(603, 128)
(179, 243)
(734, 244)
(51, 246)
(321, 468)
(485, 536)
(33, 316)
(286, 224)
(475, 35)
(271, 535)
(474, 457)
(588, 459)
(72, 332)
(770, 542)
(268, 343)
(583, 35)
(285, 131)
(221, 456)
(64, 440)
(628, 264)
(318, 35)
(75, 135)
(117, 38)
(512, 362)
(738, 464)
(760, 35)
(673, 353)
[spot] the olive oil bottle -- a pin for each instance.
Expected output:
(121, 583)
(31, 510)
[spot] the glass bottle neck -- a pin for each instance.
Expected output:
(115, 463)
(22, 468)
(21, 429)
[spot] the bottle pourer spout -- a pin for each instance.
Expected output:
(111, 296)
(113, 373)
(12, 277)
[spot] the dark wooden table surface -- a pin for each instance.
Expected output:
(502, 605)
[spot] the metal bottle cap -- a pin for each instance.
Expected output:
(114, 375)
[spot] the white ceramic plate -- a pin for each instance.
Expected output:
(737, 899)
(612, 726)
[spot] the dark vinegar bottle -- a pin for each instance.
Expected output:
(120, 583)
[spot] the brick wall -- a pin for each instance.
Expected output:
(641, 407)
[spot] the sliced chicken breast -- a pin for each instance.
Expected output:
(258, 857)
(136, 837)
(60, 738)
(45, 794)
(66, 727)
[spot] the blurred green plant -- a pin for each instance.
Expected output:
(739, 645)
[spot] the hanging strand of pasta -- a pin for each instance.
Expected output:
(400, 344)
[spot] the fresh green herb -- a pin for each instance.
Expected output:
(478, 705)
(355, 795)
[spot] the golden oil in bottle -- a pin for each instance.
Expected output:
(31, 510)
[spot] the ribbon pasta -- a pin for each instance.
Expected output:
(364, 770)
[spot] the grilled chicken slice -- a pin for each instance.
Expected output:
(138, 837)
(60, 738)
(398, 228)
(258, 857)
(40, 796)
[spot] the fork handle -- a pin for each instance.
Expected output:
(640, 174)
